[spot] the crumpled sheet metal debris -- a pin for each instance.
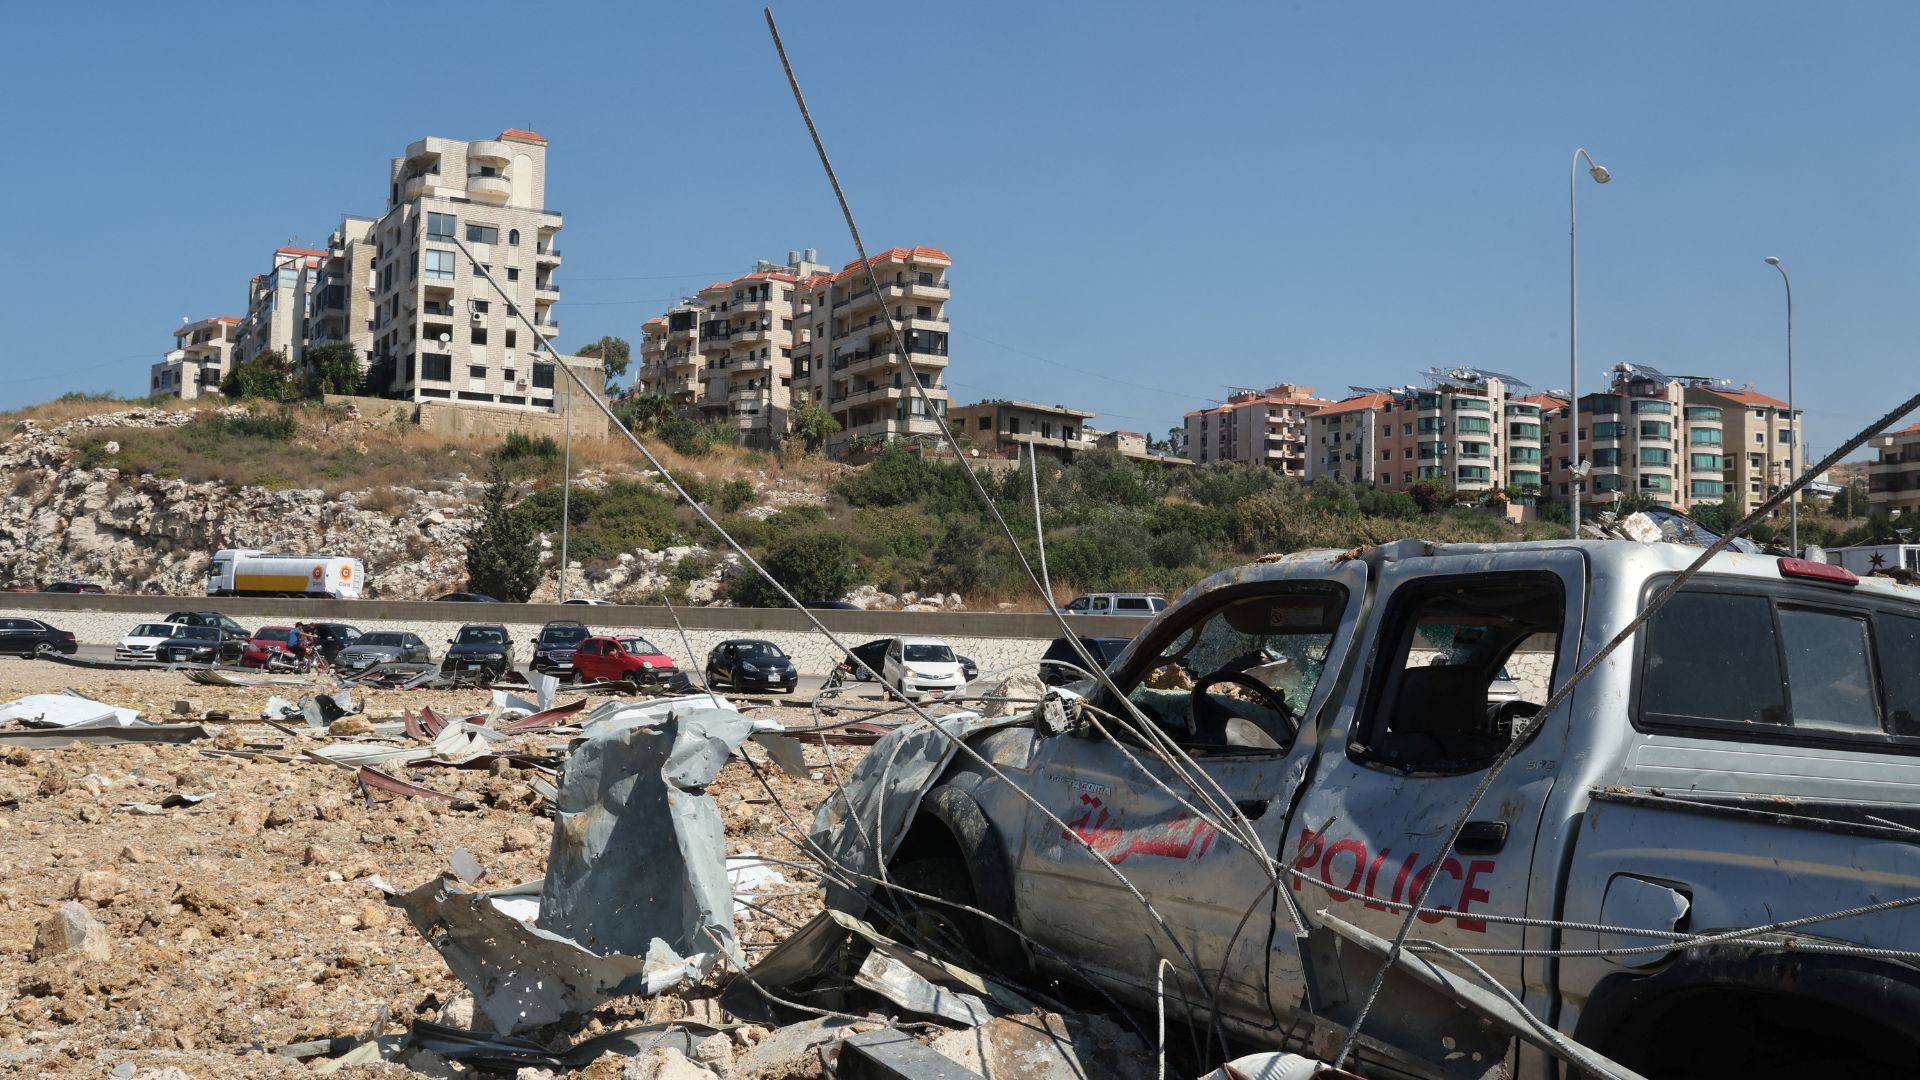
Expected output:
(222, 677)
(506, 1053)
(371, 778)
(65, 710)
(627, 906)
(908, 760)
(892, 979)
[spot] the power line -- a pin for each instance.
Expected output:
(1084, 371)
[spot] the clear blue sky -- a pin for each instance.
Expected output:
(1146, 203)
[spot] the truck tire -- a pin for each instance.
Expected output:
(952, 851)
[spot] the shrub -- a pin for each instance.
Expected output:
(520, 447)
(735, 494)
(691, 567)
(281, 426)
(503, 554)
(813, 566)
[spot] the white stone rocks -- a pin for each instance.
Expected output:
(71, 931)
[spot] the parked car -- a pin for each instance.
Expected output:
(72, 587)
(1138, 604)
(1745, 760)
(1104, 650)
(872, 655)
(467, 598)
(264, 642)
(751, 664)
(830, 605)
(383, 647)
(916, 667)
(554, 647)
(31, 637)
(201, 645)
(223, 623)
(620, 658)
(330, 637)
(479, 647)
(143, 641)
(589, 601)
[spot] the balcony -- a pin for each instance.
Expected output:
(914, 290)
(750, 307)
(489, 188)
(675, 361)
(760, 394)
(549, 292)
(490, 152)
(890, 429)
(752, 334)
(548, 328)
(549, 254)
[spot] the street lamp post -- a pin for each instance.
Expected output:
(566, 491)
(1793, 418)
(1600, 176)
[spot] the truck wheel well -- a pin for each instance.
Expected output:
(951, 839)
(1757, 1017)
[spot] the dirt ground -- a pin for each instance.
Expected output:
(247, 921)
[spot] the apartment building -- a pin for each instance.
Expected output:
(1340, 440)
(844, 359)
(670, 357)
(465, 246)
(341, 298)
(1758, 439)
(1893, 479)
(202, 355)
(277, 300)
(1266, 427)
(1005, 428)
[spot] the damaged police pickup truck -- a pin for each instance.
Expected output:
(1751, 756)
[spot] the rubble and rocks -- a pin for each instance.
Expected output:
(71, 931)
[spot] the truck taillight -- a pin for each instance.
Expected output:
(1818, 571)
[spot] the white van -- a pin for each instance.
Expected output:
(1144, 605)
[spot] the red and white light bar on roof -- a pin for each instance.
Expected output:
(1817, 571)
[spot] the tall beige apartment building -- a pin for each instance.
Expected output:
(459, 212)
(341, 299)
(750, 350)
(1893, 479)
(201, 357)
(277, 300)
(1758, 437)
(1465, 429)
(1264, 427)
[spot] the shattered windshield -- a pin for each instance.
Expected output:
(1243, 675)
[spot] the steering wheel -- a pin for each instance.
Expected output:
(1508, 716)
(1216, 717)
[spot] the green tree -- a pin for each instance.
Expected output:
(814, 566)
(332, 367)
(645, 413)
(378, 379)
(266, 376)
(811, 424)
(1716, 517)
(613, 354)
(503, 554)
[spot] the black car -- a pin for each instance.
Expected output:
(553, 648)
(479, 647)
(467, 598)
(830, 605)
(751, 664)
(225, 624)
(200, 645)
(330, 637)
(873, 654)
(31, 637)
(383, 647)
(1104, 649)
(72, 587)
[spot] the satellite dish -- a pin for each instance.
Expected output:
(445, 337)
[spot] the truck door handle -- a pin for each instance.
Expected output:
(1482, 838)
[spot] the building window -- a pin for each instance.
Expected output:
(543, 376)
(480, 306)
(511, 336)
(513, 237)
(513, 273)
(482, 234)
(475, 371)
(440, 226)
(986, 423)
(478, 335)
(439, 265)
(434, 366)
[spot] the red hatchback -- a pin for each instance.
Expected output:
(266, 640)
(616, 659)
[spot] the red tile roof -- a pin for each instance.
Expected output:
(1752, 397)
(298, 251)
(655, 321)
(763, 275)
(1910, 429)
(523, 136)
(1545, 401)
(1356, 404)
(718, 285)
(226, 318)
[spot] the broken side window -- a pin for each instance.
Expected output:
(1466, 660)
(1243, 675)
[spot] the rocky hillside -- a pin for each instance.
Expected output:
(138, 533)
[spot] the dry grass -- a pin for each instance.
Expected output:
(49, 413)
